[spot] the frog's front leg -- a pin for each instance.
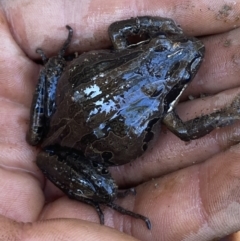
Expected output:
(200, 126)
(82, 179)
(144, 27)
(43, 104)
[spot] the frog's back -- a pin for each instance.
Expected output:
(110, 104)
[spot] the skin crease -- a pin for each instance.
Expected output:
(199, 202)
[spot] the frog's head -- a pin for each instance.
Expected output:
(184, 63)
(96, 183)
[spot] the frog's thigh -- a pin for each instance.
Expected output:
(121, 30)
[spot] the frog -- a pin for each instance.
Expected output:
(106, 107)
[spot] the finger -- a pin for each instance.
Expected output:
(220, 68)
(17, 81)
(21, 196)
(65, 229)
(15, 68)
(43, 23)
(19, 189)
(197, 203)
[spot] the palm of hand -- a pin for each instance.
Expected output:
(202, 196)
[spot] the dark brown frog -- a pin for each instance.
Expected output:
(106, 107)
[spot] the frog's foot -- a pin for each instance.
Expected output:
(97, 208)
(117, 208)
(132, 214)
(124, 193)
(93, 204)
(43, 55)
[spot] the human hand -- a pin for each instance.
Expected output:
(198, 202)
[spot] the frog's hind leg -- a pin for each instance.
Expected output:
(129, 213)
(43, 104)
(141, 30)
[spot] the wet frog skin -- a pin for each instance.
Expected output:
(106, 107)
